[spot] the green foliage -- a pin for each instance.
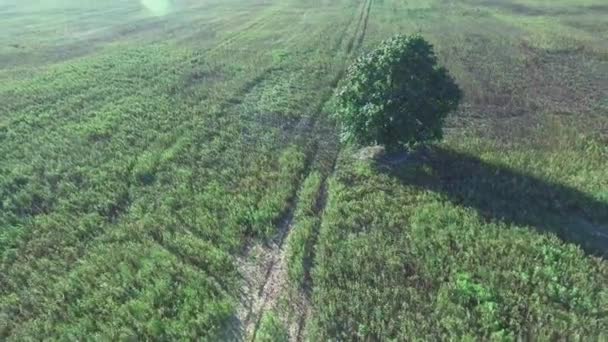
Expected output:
(271, 329)
(396, 95)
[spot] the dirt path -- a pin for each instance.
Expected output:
(264, 266)
(266, 281)
(265, 272)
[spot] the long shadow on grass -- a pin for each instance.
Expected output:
(500, 193)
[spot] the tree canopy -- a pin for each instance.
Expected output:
(396, 95)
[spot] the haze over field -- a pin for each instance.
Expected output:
(173, 170)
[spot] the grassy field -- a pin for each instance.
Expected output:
(171, 171)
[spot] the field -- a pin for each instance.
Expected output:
(171, 170)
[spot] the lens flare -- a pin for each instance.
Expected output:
(157, 7)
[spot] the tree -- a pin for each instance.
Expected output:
(396, 95)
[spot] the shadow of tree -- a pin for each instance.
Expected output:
(500, 193)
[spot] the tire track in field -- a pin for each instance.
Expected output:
(275, 271)
(330, 147)
(364, 29)
(362, 15)
(344, 32)
(275, 283)
(254, 25)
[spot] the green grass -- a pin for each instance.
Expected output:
(271, 329)
(451, 245)
(140, 154)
